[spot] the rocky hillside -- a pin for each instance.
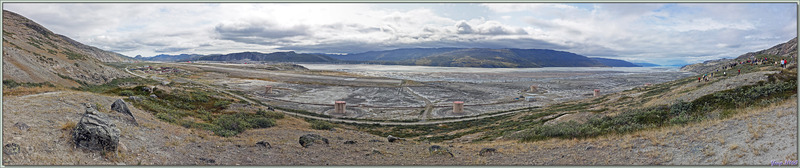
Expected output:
(34, 54)
(787, 50)
(170, 58)
(616, 62)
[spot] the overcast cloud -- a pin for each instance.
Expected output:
(644, 32)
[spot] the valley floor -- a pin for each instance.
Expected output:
(752, 137)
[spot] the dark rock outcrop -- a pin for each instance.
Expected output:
(96, 132)
(310, 139)
(121, 107)
(350, 142)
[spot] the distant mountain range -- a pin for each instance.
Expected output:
(615, 62)
(169, 58)
(449, 57)
(644, 64)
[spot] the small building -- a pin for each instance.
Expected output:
(339, 107)
(458, 107)
(530, 98)
(268, 89)
(596, 92)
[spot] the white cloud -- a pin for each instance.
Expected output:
(688, 31)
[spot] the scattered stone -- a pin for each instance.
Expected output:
(375, 140)
(434, 148)
(22, 126)
(487, 151)
(96, 132)
(165, 83)
(135, 98)
(393, 139)
(147, 89)
(350, 142)
(438, 150)
(121, 107)
(154, 96)
(11, 149)
(264, 144)
(589, 147)
(309, 139)
(90, 108)
(211, 161)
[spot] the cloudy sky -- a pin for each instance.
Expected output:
(644, 32)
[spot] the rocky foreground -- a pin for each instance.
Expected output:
(38, 132)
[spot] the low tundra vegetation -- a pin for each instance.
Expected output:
(779, 87)
(190, 107)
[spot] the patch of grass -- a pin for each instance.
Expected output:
(12, 84)
(74, 56)
(68, 126)
(269, 114)
(113, 86)
(51, 51)
(178, 106)
(126, 93)
(320, 125)
(232, 124)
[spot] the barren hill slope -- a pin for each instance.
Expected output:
(787, 49)
(31, 53)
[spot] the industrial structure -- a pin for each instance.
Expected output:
(458, 107)
(339, 107)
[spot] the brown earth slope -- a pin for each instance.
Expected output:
(31, 53)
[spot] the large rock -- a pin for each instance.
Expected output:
(11, 149)
(310, 139)
(96, 132)
(121, 107)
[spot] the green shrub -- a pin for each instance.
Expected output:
(225, 133)
(222, 104)
(262, 122)
(166, 117)
(126, 93)
(234, 122)
(269, 114)
(320, 125)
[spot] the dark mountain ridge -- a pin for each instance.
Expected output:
(449, 57)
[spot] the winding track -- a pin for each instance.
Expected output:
(347, 120)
